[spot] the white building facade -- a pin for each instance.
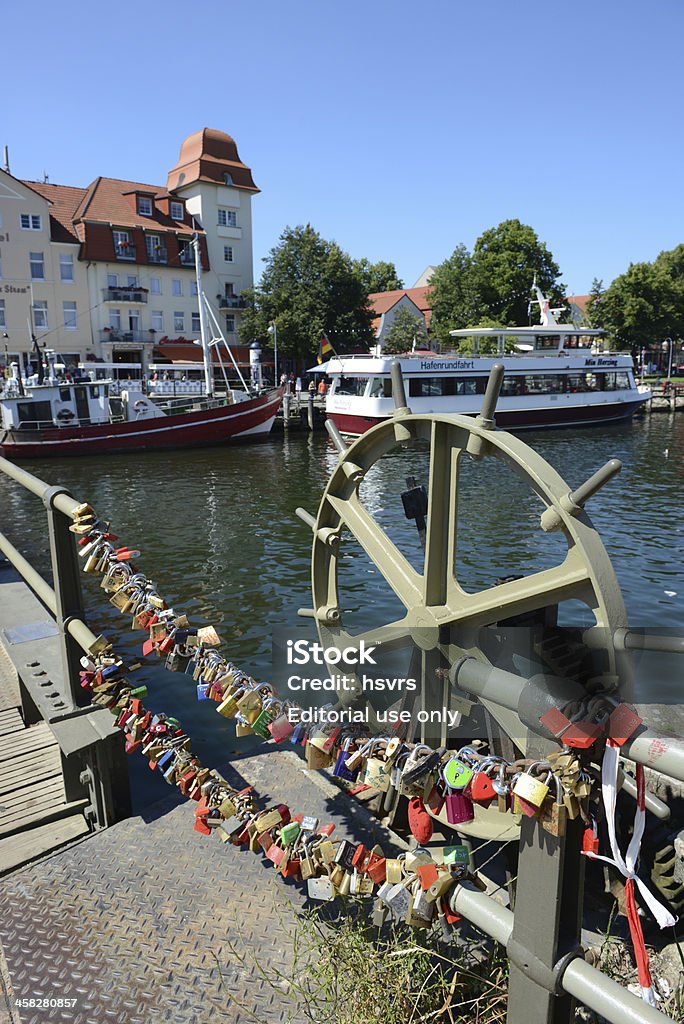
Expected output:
(108, 272)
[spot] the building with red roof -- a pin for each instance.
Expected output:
(108, 270)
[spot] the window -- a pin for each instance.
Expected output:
(40, 315)
(227, 218)
(69, 315)
(228, 253)
(66, 267)
(133, 320)
(2, 313)
(193, 288)
(122, 245)
(196, 326)
(351, 385)
(131, 281)
(381, 387)
(112, 280)
(157, 320)
(37, 266)
(227, 178)
(155, 286)
(31, 222)
(176, 287)
(179, 321)
(177, 211)
(156, 249)
(230, 323)
(144, 206)
(115, 319)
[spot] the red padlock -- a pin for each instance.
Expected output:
(419, 820)
(481, 789)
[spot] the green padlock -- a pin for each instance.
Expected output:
(456, 774)
(290, 832)
(456, 855)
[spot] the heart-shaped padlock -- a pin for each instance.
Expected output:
(481, 789)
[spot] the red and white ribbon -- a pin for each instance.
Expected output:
(627, 866)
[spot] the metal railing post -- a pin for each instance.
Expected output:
(547, 925)
(69, 602)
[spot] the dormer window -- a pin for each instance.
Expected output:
(144, 206)
(177, 211)
(227, 178)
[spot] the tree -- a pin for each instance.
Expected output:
(645, 304)
(406, 331)
(592, 313)
(504, 263)
(309, 285)
(454, 296)
(378, 277)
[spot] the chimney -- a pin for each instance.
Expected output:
(6, 159)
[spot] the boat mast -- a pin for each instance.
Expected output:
(208, 371)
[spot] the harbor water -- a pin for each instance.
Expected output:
(219, 537)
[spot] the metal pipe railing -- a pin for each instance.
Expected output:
(649, 747)
(579, 979)
(63, 502)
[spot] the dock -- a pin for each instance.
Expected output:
(35, 814)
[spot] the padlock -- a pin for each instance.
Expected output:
(315, 757)
(459, 808)
(553, 815)
(442, 885)
(320, 889)
(377, 770)
(531, 790)
(458, 855)
(419, 820)
(394, 870)
(421, 762)
(341, 771)
(421, 910)
(590, 838)
(376, 869)
(427, 874)
(398, 899)
(481, 789)
(280, 728)
(622, 724)
(269, 711)
(456, 773)
(435, 799)
(290, 832)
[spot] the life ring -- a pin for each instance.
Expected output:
(140, 404)
(65, 415)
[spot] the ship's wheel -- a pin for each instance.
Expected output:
(441, 620)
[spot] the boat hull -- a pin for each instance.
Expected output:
(243, 421)
(516, 419)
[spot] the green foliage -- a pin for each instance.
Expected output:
(505, 261)
(454, 296)
(378, 277)
(646, 303)
(494, 282)
(592, 314)
(351, 973)
(309, 285)
(406, 327)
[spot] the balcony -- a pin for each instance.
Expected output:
(121, 337)
(232, 302)
(125, 251)
(130, 295)
(157, 254)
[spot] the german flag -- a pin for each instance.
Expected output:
(324, 348)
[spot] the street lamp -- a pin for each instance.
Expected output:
(669, 364)
(273, 330)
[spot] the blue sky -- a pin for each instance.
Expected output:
(397, 129)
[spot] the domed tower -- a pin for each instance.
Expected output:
(217, 188)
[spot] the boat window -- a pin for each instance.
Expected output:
(65, 394)
(431, 387)
(579, 382)
(31, 412)
(381, 387)
(512, 386)
(542, 384)
(351, 385)
(95, 392)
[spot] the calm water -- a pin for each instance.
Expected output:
(219, 537)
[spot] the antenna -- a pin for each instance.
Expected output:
(6, 159)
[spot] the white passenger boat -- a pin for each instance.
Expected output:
(557, 376)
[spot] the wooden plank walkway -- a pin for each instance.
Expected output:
(35, 816)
